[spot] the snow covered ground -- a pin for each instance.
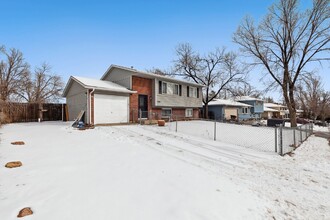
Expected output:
(321, 128)
(150, 172)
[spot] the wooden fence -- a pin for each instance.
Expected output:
(29, 112)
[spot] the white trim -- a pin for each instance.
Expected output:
(192, 112)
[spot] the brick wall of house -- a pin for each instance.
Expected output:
(143, 86)
(180, 113)
(196, 113)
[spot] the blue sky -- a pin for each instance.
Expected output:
(85, 37)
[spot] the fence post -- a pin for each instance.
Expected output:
(215, 130)
(62, 113)
(281, 139)
(311, 128)
(140, 114)
(275, 139)
(176, 124)
(294, 137)
(300, 129)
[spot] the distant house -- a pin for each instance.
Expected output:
(269, 113)
(125, 95)
(257, 107)
(225, 109)
(273, 110)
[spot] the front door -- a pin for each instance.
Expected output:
(143, 106)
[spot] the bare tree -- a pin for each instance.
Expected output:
(44, 86)
(215, 71)
(245, 89)
(324, 105)
(286, 41)
(309, 92)
(159, 72)
(13, 73)
(312, 97)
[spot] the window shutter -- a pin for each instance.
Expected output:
(197, 92)
(187, 91)
(180, 90)
(160, 83)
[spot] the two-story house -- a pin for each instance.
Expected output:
(254, 112)
(273, 110)
(124, 95)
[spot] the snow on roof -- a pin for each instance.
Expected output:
(97, 84)
(147, 75)
(228, 102)
(247, 98)
(266, 109)
(273, 105)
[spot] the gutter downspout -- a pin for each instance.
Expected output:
(90, 106)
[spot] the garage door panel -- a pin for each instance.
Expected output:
(110, 109)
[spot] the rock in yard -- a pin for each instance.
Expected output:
(13, 164)
(18, 143)
(24, 212)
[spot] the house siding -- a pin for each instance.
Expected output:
(121, 77)
(76, 100)
(248, 115)
(231, 111)
(170, 100)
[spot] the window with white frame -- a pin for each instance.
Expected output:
(189, 112)
(176, 89)
(164, 87)
(193, 92)
(169, 88)
(166, 112)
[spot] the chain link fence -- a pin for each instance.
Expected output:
(260, 138)
(280, 139)
(290, 138)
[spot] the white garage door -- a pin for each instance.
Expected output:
(110, 109)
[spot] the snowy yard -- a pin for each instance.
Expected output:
(150, 172)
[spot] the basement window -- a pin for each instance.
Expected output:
(166, 112)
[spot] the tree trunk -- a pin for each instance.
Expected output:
(206, 110)
(293, 114)
(40, 111)
(290, 105)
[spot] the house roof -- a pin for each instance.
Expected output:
(228, 102)
(147, 75)
(247, 98)
(96, 84)
(266, 109)
(273, 105)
